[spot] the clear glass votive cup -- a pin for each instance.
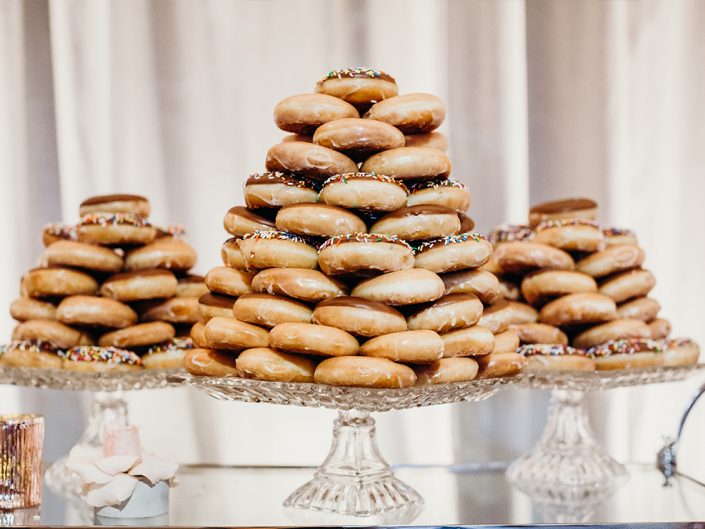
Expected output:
(21, 449)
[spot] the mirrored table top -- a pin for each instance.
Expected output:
(469, 494)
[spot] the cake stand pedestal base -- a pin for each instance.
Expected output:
(355, 480)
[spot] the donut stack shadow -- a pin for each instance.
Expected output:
(353, 262)
(580, 294)
(112, 292)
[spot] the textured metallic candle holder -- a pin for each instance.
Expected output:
(21, 446)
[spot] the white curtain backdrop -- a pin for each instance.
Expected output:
(173, 100)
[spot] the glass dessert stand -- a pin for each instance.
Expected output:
(108, 406)
(567, 464)
(354, 480)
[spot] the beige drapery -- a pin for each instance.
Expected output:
(173, 99)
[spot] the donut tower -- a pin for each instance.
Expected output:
(112, 292)
(579, 294)
(353, 262)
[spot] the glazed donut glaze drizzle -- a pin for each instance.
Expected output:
(626, 346)
(358, 71)
(109, 355)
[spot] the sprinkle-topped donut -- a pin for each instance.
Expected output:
(31, 346)
(678, 342)
(436, 183)
(346, 177)
(510, 233)
(612, 231)
(539, 349)
(108, 355)
(175, 231)
(626, 346)
(60, 230)
(274, 234)
(559, 223)
(359, 72)
(113, 219)
(175, 344)
(279, 177)
(450, 239)
(363, 237)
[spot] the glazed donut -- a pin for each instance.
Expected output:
(308, 159)
(616, 236)
(569, 208)
(94, 311)
(611, 260)
(233, 335)
(167, 355)
(275, 189)
(92, 359)
(470, 341)
(138, 285)
(409, 163)
(524, 256)
(20, 353)
(497, 317)
(680, 352)
(191, 286)
(446, 371)
(631, 353)
(359, 86)
(231, 255)
(277, 249)
(511, 233)
(575, 235)
(346, 254)
(573, 309)
(228, 281)
(206, 362)
(364, 191)
(311, 339)
(54, 282)
(198, 334)
(660, 328)
(506, 342)
(365, 372)
(404, 287)
(55, 333)
(359, 316)
(445, 192)
(410, 113)
(172, 310)
(138, 335)
(415, 223)
(453, 311)
(479, 282)
(522, 313)
(358, 138)
(466, 223)
(531, 333)
(318, 220)
(115, 229)
(23, 309)
(644, 309)
(239, 221)
(82, 255)
(414, 347)
(454, 252)
(554, 357)
(431, 140)
(628, 285)
(612, 330)
(263, 363)
(542, 286)
(214, 305)
(57, 231)
(498, 365)
(171, 231)
(298, 283)
(173, 254)
(508, 290)
(297, 137)
(134, 204)
(304, 113)
(268, 311)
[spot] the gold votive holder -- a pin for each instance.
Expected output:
(21, 448)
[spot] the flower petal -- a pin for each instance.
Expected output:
(116, 464)
(154, 469)
(115, 492)
(88, 472)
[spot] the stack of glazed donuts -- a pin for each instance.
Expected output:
(353, 262)
(582, 292)
(112, 292)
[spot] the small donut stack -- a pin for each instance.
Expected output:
(353, 262)
(112, 292)
(569, 281)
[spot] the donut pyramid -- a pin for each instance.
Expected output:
(353, 261)
(111, 292)
(574, 283)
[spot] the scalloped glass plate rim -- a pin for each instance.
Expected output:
(72, 380)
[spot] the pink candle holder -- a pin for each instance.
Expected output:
(21, 448)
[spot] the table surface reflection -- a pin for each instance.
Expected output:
(465, 494)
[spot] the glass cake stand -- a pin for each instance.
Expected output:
(354, 480)
(567, 464)
(108, 406)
